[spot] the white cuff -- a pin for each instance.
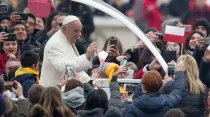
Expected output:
(21, 97)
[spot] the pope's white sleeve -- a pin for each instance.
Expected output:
(59, 60)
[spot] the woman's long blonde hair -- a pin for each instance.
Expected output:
(51, 101)
(192, 75)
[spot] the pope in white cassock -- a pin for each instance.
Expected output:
(61, 51)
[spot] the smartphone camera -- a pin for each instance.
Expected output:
(69, 72)
(171, 70)
(160, 36)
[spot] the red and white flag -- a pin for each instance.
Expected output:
(188, 29)
(174, 34)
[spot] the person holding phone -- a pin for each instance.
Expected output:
(9, 49)
(3, 36)
(5, 22)
(173, 46)
(192, 42)
(114, 49)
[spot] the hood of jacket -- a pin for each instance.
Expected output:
(74, 98)
(97, 112)
(150, 103)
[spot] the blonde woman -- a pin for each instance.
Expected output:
(194, 103)
(51, 101)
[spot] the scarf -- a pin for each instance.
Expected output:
(27, 70)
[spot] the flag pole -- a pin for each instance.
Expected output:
(182, 49)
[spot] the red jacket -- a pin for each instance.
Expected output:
(194, 13)
(3, 60)
(139, 74)
(151, 13)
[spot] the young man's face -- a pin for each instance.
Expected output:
(30, 25)
(20, 32)
(201, 29)
(4, 23)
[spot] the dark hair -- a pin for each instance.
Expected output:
(97, 99)
(33, 17)
(63, 14)
(1, 86)
(89, 72)
(18, 22)
(38, 111)
(47, 26)
(174, 113)
(152, 81)
(4, 18)
(71, 84)
(186, 45)
(150, 29)
(29, 58)
(34, 93)
(18, 48)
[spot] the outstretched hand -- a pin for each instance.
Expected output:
(18, 89)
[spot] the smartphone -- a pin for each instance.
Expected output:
(128, 56)
(11, 37)
(113, 42)
(23, 16)
(206, 40)
(169, 56)
(123, 63)
(130, 73)
(129, 88)
(170, 70)
(3, 9)
(69, 72)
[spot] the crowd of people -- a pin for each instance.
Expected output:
(49, 67)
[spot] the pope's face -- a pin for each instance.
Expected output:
(73, 32)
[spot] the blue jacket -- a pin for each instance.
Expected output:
(155, 104)
(26, 80)
(204, 73)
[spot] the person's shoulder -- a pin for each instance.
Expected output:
(1, 56)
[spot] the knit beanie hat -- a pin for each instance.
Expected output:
(2, 105)
(203, 22)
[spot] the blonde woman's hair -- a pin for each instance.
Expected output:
(52, 102)
(196, 87)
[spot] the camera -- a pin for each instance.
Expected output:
(170, 70)
(160, 36)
